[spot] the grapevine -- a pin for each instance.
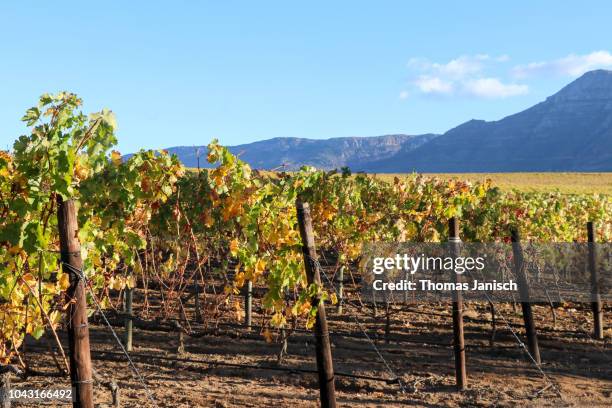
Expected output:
(147, 220)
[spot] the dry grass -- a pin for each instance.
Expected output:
(567, 183)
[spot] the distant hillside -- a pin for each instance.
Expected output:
(569, 131)
(291, 153)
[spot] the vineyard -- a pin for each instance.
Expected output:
(197, 288)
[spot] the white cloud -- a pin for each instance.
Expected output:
(456, 68)
(433, 85)
(404, 95)
(493, 88)
(465, 75)
(572, 65)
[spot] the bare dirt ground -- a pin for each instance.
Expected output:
(578, 369)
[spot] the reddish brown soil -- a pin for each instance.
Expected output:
(579, 369)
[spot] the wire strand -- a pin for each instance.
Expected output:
(384, 361)
(140, 378)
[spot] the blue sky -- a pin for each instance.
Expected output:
(182, 73)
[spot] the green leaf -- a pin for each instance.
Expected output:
(38, 332)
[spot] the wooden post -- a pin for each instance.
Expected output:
(115, 393)
(340, 289)
(387, 321)
(374, 304)
(530, 329)
(248, 305)
(284, 346)
(198, 312)
(78, 330)
(458, 339)
(129, 297)
(596, 305)
(325, 364)
(5, 389)
(408, 278)
(493, 323)
(5, 383)
(180, 349)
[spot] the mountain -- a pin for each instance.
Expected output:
(291, 153)
(569, 131)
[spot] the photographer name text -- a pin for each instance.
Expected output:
(429, 285)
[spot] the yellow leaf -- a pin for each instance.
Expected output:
(238, 310)
(64, 281)
(305, 308)
(81, 171)
(239, 279)
(208, 219)
(55, 317)
(116, 157)
(17, 297)
(260, 266)
(130, 282)
(353, 251)
(278, 320)
(267, 335)
(116, 283)
(310, 321)
(29, 279)
(14, 250)
(234, 247)
(105, 303)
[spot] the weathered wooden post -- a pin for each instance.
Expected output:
(198, 312)
(5, 387)
(129, 323)
(325, 364)
(387, 321)
(596, 305)
(374, 304)
(5, 383)
(78, 330)
(458, 340)
(408, 278)
(248, 304)
(519, 267)
(340, 289)
(180, 344)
